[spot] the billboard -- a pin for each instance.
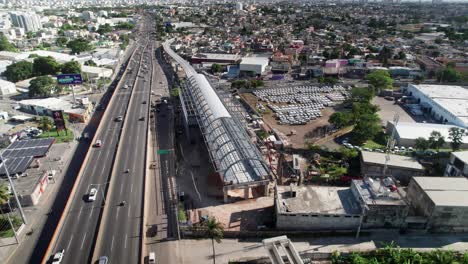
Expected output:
(59, 121)
(72, 78)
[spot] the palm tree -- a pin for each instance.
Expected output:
(4, 194)
(214, 230)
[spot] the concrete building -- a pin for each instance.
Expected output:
(215, 58)
(406, 133)
(382, 206)
(30, 21)
(445, 103)
(7, 88)
(316, 208)
(239, 6)
(458, 164)
(400, 167)
(441, 201)
(87, 15)
(79, 112)
(92, 72)
(254, 65)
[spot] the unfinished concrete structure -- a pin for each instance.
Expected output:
(235, 158)
(441, 202)
(280, 249)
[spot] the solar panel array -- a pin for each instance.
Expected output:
(19, 155)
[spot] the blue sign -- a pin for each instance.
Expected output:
(73, 78)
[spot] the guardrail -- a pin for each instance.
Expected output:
(80, 172)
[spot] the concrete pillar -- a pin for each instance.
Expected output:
(246, 193)
(225, 192)
(265, 189)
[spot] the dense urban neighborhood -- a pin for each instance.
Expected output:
(252, 131)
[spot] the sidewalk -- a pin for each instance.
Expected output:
(37, 215)
(199, 251)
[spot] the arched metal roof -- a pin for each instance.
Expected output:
(234, 156)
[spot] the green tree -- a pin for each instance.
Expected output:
(216, 68)
(256, 83)
(4, 194)
(41, 86)
(456, 136)
(21, 70)
(5, 45)
(449, 74)
(367, 127)
(125, 25)
(103, 29)
(380, 80)
(348, 154)
(45, 66)
(385, 54)
(339, 119)
(421, 143)
(79, 45)
(71, 67)
(61, 41)
(436, 140)
(214, 230)
(46, 123)
(362, 94)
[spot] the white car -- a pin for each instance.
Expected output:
(58, 257)
(92, 195)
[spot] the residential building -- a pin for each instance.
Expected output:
(446, 103)
(87, 15)
(441, 201)
(30, 21)
(7, 88)
(458, 164)
(402, 168)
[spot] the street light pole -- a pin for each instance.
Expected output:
(13, 189)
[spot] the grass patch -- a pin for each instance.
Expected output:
(181, 216)
(62, 136)
(373, 145)
(7, 233)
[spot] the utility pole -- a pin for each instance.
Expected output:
(13, 189)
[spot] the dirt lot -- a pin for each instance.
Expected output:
(299, 140)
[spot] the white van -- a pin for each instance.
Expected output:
(152, 258)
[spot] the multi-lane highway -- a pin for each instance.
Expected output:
(122, 143)
(119, 237)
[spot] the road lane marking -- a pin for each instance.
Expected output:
(121, 188)
(92, 210)
(82, 242)
(69, 242)
(112, 243)
(125, 241)
(128, 214)
(131, 187)
(81, 209)
(117, 214)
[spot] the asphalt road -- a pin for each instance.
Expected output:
(78, 233)
(121, 225)
(120, 234)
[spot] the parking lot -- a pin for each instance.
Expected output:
(388, 110)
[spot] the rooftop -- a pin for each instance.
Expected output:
(410, 130)
(445, 191)
(216, 56)
(317, 199)
(461, 155)
(374, 192)
(255, 60)
(395, 160)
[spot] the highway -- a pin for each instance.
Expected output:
(81, 224)
(119, 237)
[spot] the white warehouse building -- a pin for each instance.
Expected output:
(448, 104)
(255, 65)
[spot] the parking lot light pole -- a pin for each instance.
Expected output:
(13, 189)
